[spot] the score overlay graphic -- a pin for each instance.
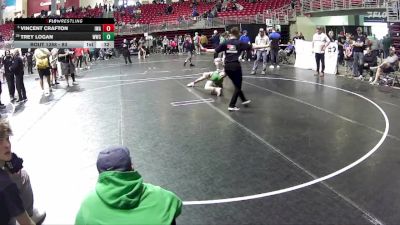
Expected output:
(64, 33)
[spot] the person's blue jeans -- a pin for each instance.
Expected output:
(260, 54)
(358, 63)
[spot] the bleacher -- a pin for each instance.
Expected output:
(310, 6)
(250, 9)
(95, 12)
(155, 13)
(6, 31)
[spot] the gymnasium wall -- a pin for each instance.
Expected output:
(35, 6)
(307, 25)
(92, 3)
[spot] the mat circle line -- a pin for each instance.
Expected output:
(306, 184)
(315, 181)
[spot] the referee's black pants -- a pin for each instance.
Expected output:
(19, 82)
(11, 84)
(30, 66)
(234, 72)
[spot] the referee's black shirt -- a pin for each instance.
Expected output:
(232, 48)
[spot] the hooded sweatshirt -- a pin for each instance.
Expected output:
(123, 198)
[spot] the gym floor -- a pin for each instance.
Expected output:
(306, 151)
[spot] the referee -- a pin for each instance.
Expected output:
(233, 49)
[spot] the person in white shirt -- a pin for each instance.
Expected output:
(319, 43)
(261, 39)
(388, 66)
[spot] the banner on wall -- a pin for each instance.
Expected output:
(35, 6)
(305, 58)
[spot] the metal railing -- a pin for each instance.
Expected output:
(312, 6)
(279, 16)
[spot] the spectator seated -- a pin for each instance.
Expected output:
(370, 60)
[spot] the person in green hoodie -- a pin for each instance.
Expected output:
(121, 197)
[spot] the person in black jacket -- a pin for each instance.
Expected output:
(233, 48)
(2, 106)
(7, 62)
(17, 68)
(17, 198)
(370, 60)
(125, 51)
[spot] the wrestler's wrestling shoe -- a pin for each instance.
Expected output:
(191, 84)
(218, 91)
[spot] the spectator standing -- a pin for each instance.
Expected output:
(189, 47)
(2, 106)
(275, 40)
(261, 39)
(125, 51)
(358, 53)
(86, 57)
(348, 53)
(319, 43)
(29, 60)
(331, 36)
(223, 37)
(196, 40)
(53, 66)
(165, 44)
(245, 39)
(121, 196)
(180, 44)
(215, 41)
(341, 40)
(386, 44)
(7, 62)
(203, 40)
(67, 66)
(141, 49)
(42, 58)
(79, 57)
(374, 45)
(17, 68)
(195, 14)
